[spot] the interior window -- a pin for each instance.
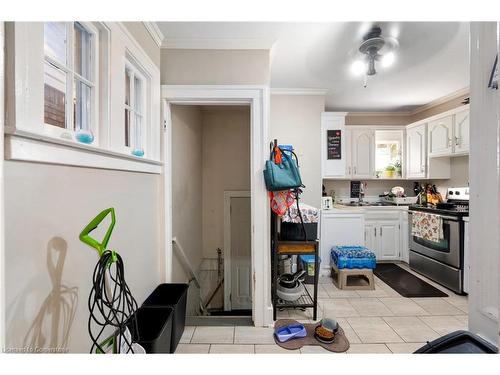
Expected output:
(134, 106)
(69, 83)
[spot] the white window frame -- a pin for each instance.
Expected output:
(29, 139)
(132, 67)
(71, 75)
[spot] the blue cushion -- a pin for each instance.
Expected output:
(353, 257)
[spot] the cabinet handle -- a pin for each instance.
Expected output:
(375, 231)
(349, 170)
(380, 231)
(449, 142)
(355, 170)
(422, 168)
(457, 141)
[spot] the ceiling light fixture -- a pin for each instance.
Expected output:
(374, 48)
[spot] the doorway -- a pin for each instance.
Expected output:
(211, 162)
(257, 97)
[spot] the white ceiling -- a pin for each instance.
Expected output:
(432, 60)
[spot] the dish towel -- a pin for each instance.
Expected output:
(427, 226)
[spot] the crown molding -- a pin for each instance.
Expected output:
(155, 32)
(298, 91)
(381, 114)
(454, 95)
(218, 43)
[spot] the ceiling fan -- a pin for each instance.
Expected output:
(373, 49)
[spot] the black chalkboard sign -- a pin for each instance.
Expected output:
(334, 144)
(355, 189)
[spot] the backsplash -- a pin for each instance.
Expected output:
(459, 177)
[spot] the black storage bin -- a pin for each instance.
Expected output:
(174, 296)
(458, 342)
(294, 231)
(152, 328)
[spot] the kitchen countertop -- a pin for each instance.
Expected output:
(341, 208)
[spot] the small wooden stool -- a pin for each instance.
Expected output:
(340, 278)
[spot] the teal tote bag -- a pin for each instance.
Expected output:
(283, 176)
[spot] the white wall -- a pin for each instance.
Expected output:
(226, 166)
(186, 185)
(296, 120)
(484, 295)
(46, 207)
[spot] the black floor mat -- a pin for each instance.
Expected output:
(405, 283)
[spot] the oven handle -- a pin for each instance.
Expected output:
(451, 218)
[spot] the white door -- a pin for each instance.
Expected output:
(440, 131)
(388, 239)
(240, 253)
(363, 153)
(461, 132)
(371, 237)
(416, 151)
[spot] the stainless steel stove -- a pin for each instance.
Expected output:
(442, 261)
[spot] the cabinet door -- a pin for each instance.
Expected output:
(348, 154)
(416, 158)
(363, 153)
(371, 237)
(335, 168)
(440, 133)
(388, 239)
(461, 132)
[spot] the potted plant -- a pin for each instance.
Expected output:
(397, 165)
(389, 171)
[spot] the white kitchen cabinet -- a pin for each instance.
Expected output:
(332, 122)
(416, 151)
(363, 153)
(440, 136)
(338, 227)
(461, 132)
(371, 235)
(383, 233)
(404, 237)
(388, 239)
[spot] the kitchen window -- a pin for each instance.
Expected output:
(135, 105)
(71, 78)
(388, 153)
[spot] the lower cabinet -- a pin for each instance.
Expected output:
(383, 236)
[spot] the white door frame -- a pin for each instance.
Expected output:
(2, 197)
(258, 99)
(227, 242)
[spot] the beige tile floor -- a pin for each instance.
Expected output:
(378, 321)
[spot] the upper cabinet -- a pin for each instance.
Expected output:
(363, 153)
(449, 134)
(461, 132)
(440, 136)
(420, 150)
(416, 156)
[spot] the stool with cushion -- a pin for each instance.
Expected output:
(353, 261)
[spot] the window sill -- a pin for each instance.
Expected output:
(26, 146)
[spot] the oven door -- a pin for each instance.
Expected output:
(448, 249)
